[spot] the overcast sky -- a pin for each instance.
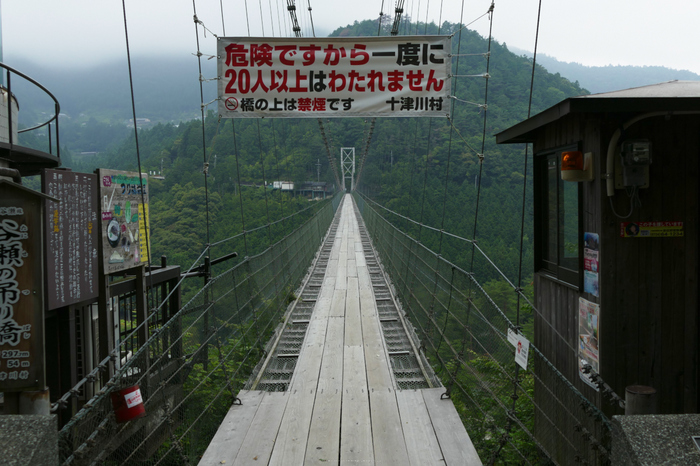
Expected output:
(593, 32)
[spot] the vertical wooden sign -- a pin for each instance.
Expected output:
(21, 289)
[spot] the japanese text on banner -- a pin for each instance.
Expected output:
(407, 76)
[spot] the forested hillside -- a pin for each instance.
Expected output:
(413, 166)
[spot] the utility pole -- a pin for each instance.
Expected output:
(318, 170)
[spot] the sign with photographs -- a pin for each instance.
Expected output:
(124, 221)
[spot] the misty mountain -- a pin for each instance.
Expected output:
(166, 89)
(608, 78)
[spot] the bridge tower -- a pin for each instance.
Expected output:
(347, 164)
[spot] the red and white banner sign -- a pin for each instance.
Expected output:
(403, 76)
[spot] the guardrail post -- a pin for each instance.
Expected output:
(9, 108)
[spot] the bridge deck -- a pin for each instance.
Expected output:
(342, 406)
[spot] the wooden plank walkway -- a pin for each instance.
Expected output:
(342, 406)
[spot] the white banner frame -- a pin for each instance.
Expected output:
(398, 76)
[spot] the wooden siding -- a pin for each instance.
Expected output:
(648, 286)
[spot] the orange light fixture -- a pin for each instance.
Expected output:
(572, 160)
(576, 166)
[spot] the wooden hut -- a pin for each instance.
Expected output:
(616, 249)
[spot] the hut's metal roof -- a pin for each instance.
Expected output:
(671, 96)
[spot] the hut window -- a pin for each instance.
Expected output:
(557, 230)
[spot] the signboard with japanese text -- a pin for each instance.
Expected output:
(121, 212)
(71, 240)
(588, 349)
(21, 289)
(402, 76)
(650, 229)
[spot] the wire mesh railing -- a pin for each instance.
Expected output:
(214, 343)
(513, 416)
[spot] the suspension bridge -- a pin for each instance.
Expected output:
(346, 340)
(343, 401)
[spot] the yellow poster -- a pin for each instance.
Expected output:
(650, 229)
(142, 229)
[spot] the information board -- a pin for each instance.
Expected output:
(401, 76)
(71, 240)
(122, 196)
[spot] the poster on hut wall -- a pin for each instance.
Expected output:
(122, 195)
(591, 264)
(651, 229)
(588, 324)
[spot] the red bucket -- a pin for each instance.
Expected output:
(128, 404)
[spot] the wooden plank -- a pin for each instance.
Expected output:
(377, 365)
(387, 434)
(342, 273)
(331, 374)
(363, 279)
(323, 446)
(421, 442)
(290, 445)
(455, 444)
(356, 428)
(225, 445)
(257, 446)
(332, 269)
(338, 305)
(352, 268)
(309, 365)
(353, 325)
(379, 374)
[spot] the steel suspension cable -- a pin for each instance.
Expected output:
(205, 162)
(381, 15)
(522, 227)
(398, 11)
(522, 215)
(262, 22)
(483, 136)
(138, 155)
(223, 25)
(240, 191)
(262, 166)
(453, 377)
(247, 19)
(311, 19)
(272, 20)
